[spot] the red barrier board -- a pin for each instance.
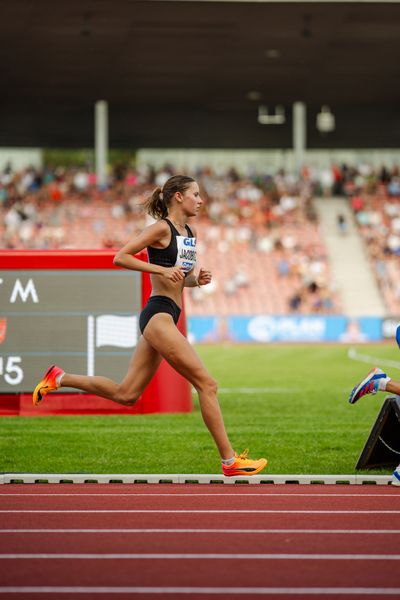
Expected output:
(167, 392)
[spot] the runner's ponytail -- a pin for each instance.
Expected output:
(158, 203)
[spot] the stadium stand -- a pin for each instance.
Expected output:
(375, 201)
(263, 274)
(261, 232)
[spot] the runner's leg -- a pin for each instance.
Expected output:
(143, 365)
(162, 334)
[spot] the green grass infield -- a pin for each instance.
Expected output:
(288, 403)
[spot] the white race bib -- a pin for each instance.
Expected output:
(186, 255)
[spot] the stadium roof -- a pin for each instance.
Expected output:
(193, 74)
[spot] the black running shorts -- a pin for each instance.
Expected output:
(155, 305)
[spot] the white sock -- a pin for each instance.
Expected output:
(228, 462)
(58, 379)
(382, 383)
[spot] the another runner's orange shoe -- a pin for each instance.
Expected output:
(244, 465)
(48, 384)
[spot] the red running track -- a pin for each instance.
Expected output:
(199, 541)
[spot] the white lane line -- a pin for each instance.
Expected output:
(213, 531)
(198, 556)
(335, 591)
(353, 354)
(221, 495)
(258, 390)
(206, 511)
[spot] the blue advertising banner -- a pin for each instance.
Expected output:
(291, 328)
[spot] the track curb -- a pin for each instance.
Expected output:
(60, 478)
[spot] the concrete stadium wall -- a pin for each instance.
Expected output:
(263, 160)
(243, 160)
(20, 158)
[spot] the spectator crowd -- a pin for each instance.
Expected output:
(260, 231)
(375, 202)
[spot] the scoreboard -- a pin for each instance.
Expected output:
(74, 308)
(84, 320)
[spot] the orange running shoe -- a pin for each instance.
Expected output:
(244, 465)
(48, 384)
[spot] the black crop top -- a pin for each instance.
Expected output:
(180, 252)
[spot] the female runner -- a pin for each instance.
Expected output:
(171, 246)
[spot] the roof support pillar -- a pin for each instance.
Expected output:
(299, 134)
(101, 141)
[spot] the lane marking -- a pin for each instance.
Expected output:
(339, 591)
(223, 531)
(258, 390)
(205, 511)
(353, 354)
(198, 556)
(221, 495)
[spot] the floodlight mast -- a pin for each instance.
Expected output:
(101, 141)
(299, 134)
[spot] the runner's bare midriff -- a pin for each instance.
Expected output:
(164, 287)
